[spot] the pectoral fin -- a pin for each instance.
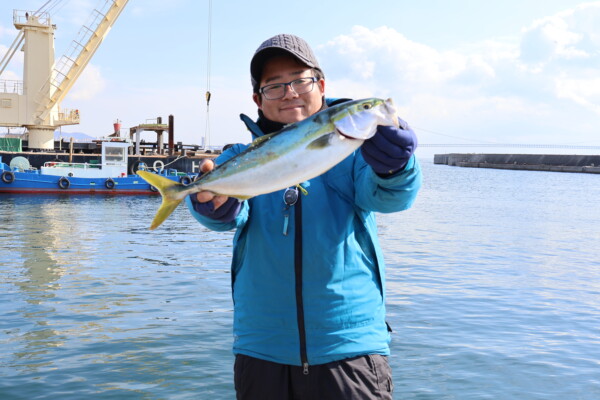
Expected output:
(321, 142)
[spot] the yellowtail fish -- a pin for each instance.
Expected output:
(297, 153)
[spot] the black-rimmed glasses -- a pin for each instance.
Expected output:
(276, 91)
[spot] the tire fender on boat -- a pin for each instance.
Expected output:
(109, 183)
(185, 180)
(64, 183)
(8, 177)
(153, 188)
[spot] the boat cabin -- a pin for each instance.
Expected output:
(114, 164)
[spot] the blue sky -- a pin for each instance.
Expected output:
(517, 71)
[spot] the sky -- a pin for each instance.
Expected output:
(462, 72)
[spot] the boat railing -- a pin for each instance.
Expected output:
(11, 86)
(62, 164)
(23, 17)
(67, 117)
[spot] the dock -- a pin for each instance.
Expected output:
(527, 162)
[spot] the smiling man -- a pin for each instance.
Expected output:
(308, 274)
(300, 94)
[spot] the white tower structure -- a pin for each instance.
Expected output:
(34, 103)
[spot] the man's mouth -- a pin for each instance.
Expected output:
(291, 107)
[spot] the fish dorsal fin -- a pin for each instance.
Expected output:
(320, 142)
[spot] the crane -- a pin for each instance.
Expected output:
(34, 102)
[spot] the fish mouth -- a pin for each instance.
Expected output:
(343, 136)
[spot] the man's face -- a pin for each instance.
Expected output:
(292, 107)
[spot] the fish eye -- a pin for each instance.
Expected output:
(366, 106)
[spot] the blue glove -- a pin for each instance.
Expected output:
(226, 213)
(390, 149)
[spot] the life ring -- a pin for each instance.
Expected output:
(109, 183)
(185, 180)
(8, 177)
(156, 166)
(64, 183)
(153, 189)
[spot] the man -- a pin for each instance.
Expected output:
(307, 270)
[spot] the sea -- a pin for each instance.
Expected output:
(493, 292)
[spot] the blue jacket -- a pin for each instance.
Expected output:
(317, 293)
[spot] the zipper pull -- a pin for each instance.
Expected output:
(305, 368)
(286, 220)
(302, 189)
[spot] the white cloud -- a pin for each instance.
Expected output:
(585, 92)
(88, 85)
(6, 32)
(544, 84)
(568, 35)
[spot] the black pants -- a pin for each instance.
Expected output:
(362, 378)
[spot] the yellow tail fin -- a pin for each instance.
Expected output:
(169, 202)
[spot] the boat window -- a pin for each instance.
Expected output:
(115, 154)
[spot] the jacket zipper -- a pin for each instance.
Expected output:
(298, 274)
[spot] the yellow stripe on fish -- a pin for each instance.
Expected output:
(297, 153)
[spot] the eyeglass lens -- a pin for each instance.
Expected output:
(300, 86)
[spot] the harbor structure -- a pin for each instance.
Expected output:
(525, 162)
(34, 102)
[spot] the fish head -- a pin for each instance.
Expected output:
(359, 119)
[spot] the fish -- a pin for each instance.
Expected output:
(288, 157)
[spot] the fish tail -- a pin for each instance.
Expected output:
(169, 201)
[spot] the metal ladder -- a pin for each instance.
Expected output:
(70, 66)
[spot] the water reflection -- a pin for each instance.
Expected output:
(40, 271)
(52, 240)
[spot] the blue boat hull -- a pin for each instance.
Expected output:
(34, 182)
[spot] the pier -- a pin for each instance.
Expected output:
(528, 162)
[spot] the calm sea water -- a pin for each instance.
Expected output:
(493, 293)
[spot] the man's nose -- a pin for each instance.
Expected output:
(289, 93)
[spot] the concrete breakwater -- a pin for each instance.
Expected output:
(528, 162)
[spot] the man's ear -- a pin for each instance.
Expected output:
(257, 99)
(321, 85)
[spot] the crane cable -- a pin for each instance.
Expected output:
(49, 9)
(208, 62)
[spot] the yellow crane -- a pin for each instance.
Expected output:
(34, 102)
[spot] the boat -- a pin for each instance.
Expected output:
(38, 110)
(108, 177)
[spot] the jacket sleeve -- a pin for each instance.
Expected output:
(241, 218)
(390, 194)
(215, 225)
